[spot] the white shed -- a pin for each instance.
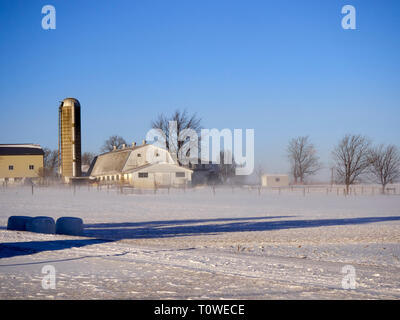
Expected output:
(275, 180)
(159, 175)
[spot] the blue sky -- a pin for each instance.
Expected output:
(283, 68)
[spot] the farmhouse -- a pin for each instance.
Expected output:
(20, 161)
(145, 166)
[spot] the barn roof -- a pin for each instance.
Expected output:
(111, 162)
(114, 162)
(20, 149)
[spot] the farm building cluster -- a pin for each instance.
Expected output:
(141, 166)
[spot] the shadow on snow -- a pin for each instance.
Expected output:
(176, 228)
(12, 249)
(106, 232)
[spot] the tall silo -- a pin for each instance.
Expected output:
(69, 139)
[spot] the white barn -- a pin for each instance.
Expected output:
(145, 166)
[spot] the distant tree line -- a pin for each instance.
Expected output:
(354, 158)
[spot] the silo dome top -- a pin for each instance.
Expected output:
(70, 102)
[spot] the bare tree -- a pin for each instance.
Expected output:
(87, 158)
(112, 141)
(50, 160)
(259, 173)
(303, 158)
(351, 159)
(384, 164)
(183, 121)
(227, 168)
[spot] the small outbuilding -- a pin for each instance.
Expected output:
(158, 175)
(275, 180)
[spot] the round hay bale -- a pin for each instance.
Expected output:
(18, 223)
(41, 225)
(70, 226)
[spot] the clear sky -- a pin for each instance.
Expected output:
(283, 68)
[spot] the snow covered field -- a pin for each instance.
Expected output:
(193, 244)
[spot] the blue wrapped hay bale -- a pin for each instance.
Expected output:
(41, 225)
(69, 226)
(18, 223)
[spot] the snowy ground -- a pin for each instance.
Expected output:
(235, 244)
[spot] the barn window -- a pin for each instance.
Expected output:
(11, 167)
(143, 174)
(31, 167)
(179, 174)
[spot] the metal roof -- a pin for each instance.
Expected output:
(70, 102)
(111, 162)
(20, 149)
